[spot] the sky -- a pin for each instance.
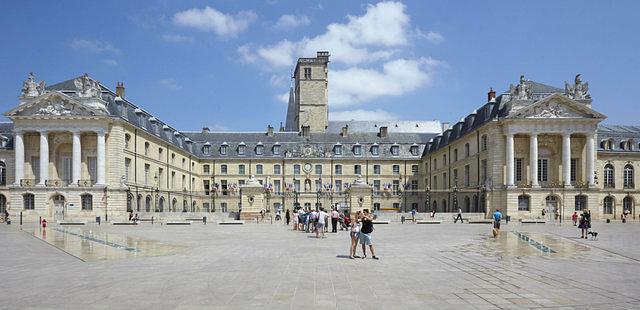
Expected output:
(226, 65)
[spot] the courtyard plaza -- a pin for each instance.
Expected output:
(258, 266)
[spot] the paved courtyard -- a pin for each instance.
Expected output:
(210, 266)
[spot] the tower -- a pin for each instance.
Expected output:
(310, 97)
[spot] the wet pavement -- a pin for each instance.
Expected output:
(269, 266)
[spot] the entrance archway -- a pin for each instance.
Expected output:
(161, 204)
(3, 205)
(552, 207)
(59, 207)
(628, 206)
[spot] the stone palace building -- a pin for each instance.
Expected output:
(76, 150)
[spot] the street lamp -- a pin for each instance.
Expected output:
(455, 195)
(427, 191)
(156, 190)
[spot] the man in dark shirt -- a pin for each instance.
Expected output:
(365, 234)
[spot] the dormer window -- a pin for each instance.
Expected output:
(395, 150)
(337, 149)
(414, 150)
(259, 149)
(375, 150)
(206, 149)
(241, 148)
(357, 149)
(223, 148)
(276, 149)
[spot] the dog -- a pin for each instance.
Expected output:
(494, 232)
(594, 235)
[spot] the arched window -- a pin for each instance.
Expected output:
(467, 204)
(627, 204)
(129, 202)
(435, 205)
(608, 175)
(475, 203)
(193, 206)
(139, 203)
(147, 204)
(581, 202)
(184, 206)
(127, 140)
(161, 204)
(87, 202)
(3, 205)
(174, 205)
(607, 205)
(444, 205)
(28, 201)
(523, 203)
(628, 176)
(146, 148)
(3, 173)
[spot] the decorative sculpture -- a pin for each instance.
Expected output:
(32, 89)
(579, 90)
(87, 86)
(521, 91)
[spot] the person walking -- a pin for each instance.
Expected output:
(413, 214)
(584, 225)
(313, 220)
(458, 217)
(355, 234)
(433, 212)
(574, 218)
(365, 234)
(287, 217)
(497, 217)
(322, 217)
(334, 220)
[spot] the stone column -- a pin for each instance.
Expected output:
(566, 159)
(591, 154)
(533, 160)
(510, 161)
(77, 158)
(44, 157)
(101, 159)
(19, 157)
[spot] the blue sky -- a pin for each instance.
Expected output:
(226, 64)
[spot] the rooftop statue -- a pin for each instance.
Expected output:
(88, 87)
(521, 91)
(32, 89)
(578, 90)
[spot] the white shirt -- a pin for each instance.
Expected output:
(321, 217)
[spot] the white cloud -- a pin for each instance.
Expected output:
(94, 46)
(397, 77)
(176, 38)
(290, 21)
(376, 35)
(362, 115)
(170, 84)
(210, 19)
(111, 62)
(431, 36)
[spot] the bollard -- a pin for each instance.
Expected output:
(20, 218)
(98, 220)
(204, 220)
(152, 220)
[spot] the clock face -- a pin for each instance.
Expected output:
(307, 167)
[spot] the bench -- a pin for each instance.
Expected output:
(532, 221)
(125, 223)
(481, 221)
(177, 223)
(380, 222)
(72, 223)
(231, 223)
(429, 222)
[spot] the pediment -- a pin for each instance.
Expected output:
(557, 106)
(54, 104)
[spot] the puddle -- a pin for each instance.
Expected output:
(90, 244)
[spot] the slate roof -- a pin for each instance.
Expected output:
(431, 127)
(6, 135)
(619, 134)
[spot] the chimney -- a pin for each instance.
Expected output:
(323, 55)
(345, 131)
(269, 131)
(205, 129)
(120, 89)
(305, 131)
(491, 95)
(383, 132)
(445, 126)
(281, 127)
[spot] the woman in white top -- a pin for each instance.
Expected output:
(354, 232)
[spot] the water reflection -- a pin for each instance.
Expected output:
(92, 245)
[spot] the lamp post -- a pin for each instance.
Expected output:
(455, 195)
(427, 192)
(156, 191)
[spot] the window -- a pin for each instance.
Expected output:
(3, 173)
(455, 177)
(223, 169)
(523, 203)
(435, 163)
(147, 204)
(414, 186)
(376, 186)
(277, 169)
(296, 169)
(160, 176)
(241, 169)
(467, 171)
(483, 171)
(396, 169)
(127, 140)
(375, 150)
(483, 143)
(206, 185)
(357, 150)
(518, 169)
(319, 169)
(318, 184)
(435, 182)
(581, 202)
(224, 187)
(376, 206)
(173, 158)
(574, 170)
(173, 179)
(276, 149)
(395, 150)
(206, 169)
(607, 205)
(183, 183)
(35, 167)
(338, 170)
(206, 149)
(147, 169)
(87, 202)
(414, 149)
(445, 180)
(357, 169)
(92, 166)
(337, 149)
(608, 175)
(395, 186)
(414, 170)
(466, 150)
(28, 201)
(444, 160)
(259, 149)
(296, 185)
(376, 169)
(127, 168)
(160, 151)
(627, 204)
(184, 161)
(307, 73)
(455, 155)
(241, 149)
(338, 186)
(146, 149)
(223, 207)
(259, 169)
(543, 170)
(628, 176)
(223, 149)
